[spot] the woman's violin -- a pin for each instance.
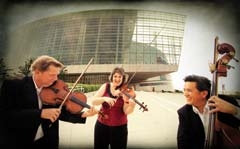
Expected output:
(129, 92)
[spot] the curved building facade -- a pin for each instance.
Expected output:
(146, 42)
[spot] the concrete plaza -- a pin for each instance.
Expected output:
(153, 129)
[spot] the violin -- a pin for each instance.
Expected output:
(56, 93)
(129, 92)
(221, 135)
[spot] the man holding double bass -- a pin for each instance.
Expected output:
(208, 120)
(194, 116)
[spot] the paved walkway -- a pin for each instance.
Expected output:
(156, 128)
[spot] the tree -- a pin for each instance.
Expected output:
(3, 70)
(25, 69)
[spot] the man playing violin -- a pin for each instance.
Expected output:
(194, 116)
(29, 123)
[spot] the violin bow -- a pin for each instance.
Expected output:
(131, 78)
(74, 85)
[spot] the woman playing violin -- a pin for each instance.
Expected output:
(112, 131)
(29, 123)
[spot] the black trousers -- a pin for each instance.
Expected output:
(44, 143)
(114, 137)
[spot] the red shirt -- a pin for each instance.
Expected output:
(115, 115)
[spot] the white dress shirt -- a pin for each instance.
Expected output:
(39, 133)
(203, 116)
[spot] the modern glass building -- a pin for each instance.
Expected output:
(142, 41)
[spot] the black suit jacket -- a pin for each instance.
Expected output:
(21, 116)
(191, 134)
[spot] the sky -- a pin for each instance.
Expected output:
(204, 21)
(202, 26)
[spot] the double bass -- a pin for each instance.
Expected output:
(221, 135)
